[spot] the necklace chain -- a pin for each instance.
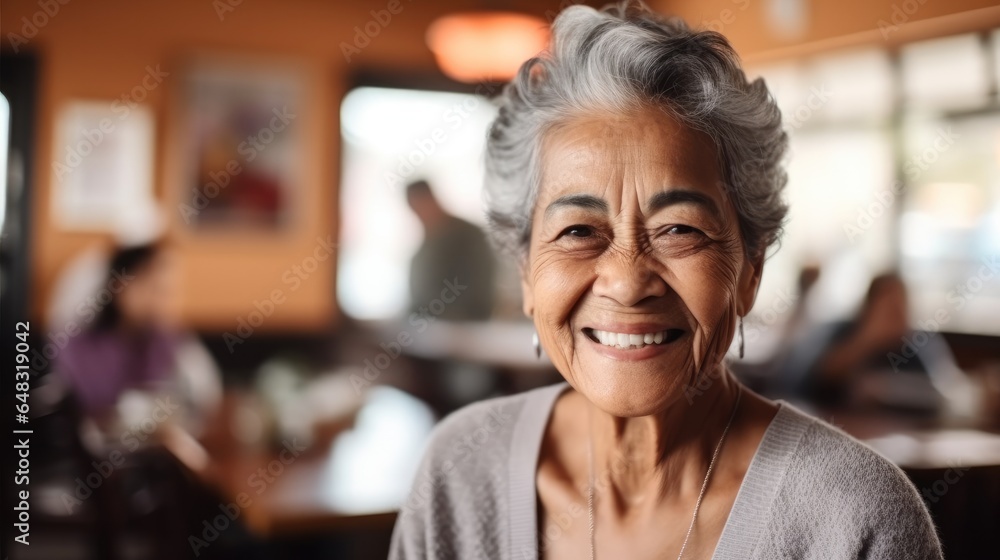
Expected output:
(701, 494)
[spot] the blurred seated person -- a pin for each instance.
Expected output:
(132, 363)
(875, 358)
(800, 317)
(773, 346)
(455, 258)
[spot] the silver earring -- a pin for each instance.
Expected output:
(536, 344)
(741, 338)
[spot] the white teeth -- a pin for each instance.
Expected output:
(622, 340)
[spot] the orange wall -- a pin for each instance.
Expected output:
(99, 49)
(833, 23)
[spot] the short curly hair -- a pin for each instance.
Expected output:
(623, 57)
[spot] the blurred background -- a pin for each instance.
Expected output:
(247, 238)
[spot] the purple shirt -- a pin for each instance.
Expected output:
(100, 365)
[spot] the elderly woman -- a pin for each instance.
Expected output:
(637, 174)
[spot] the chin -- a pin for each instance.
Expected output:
(631, 383)
(631, 391)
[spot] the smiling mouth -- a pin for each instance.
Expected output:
(632, 341)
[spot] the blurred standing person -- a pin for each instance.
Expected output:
(454, 265)
(453, 251)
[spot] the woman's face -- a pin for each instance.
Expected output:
(635, 274)
(149, 297)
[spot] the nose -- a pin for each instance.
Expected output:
(628, 278)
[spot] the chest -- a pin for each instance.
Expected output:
(637, 531)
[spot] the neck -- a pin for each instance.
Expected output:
(644, 460)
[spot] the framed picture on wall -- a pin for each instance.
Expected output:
(240, 146)
(102, 167)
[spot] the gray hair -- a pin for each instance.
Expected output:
(625, 57)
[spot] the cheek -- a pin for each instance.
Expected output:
(558, 284)
(707, 284)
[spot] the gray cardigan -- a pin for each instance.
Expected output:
(811, 491)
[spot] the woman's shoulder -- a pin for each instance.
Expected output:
(847, 494)
(485, 429)
(825, 452)
(458, 504)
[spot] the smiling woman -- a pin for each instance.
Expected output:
(635, 174)
(635, 239)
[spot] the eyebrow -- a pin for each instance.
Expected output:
(671, 197)
(587, 201)
(656, 202)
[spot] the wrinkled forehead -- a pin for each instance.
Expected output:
(647, 149)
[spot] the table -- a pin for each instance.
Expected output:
(349, 485)
(357, 479)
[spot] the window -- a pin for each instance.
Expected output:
(894, 162)
(390, 138)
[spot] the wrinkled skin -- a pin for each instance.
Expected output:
(681, 265)
(633, 232)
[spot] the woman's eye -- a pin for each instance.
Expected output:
(578, 231)
(681, 230)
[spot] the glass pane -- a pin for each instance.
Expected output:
(838, 220)
(391, 138)
(4, 134)
(946, 73)
(855, 84)
(995, 42)
(950, 227)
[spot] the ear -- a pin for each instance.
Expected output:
(749, 283)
